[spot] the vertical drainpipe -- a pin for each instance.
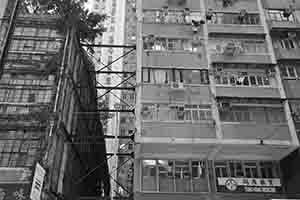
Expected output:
(212, 92)
(212, 84)
(288, 114)
(60, 80)
(139, 54)
(8, 34)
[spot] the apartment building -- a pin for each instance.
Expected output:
(44, 114)
(216, 102)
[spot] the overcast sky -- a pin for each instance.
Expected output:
(89, 4)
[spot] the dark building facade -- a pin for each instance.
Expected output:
(47, 95)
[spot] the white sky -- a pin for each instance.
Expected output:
(89, 4)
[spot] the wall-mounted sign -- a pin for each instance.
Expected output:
(37, 183)
(261, 185)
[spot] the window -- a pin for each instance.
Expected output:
(25, 96)
(288, 43)
(170, 44)
(277, 15)
(246, 169)
(165, 112)
(166, 76)
(234, 78)
(258, 114)
(174, 176)
(230, 18)
(34, 45)
(197, 113)
(289, 71)
(17, 152)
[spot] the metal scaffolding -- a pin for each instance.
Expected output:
(108, 90)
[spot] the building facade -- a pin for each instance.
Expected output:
(47, 89)
(217, 98)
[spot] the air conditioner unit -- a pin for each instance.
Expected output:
(197, 40)
(174, 85)
(230, 49)
(270, 72)
(196, 24)
(291, 35)
(177, 2)
(177, 85)
(180, 85)
(180, 111)
(243, 13)
(209, 14)
(288, 11)
(224, 105)
(227, 3)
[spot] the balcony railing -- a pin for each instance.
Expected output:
(251, 47)
(234, 18)
(279, 16)
(170, 16)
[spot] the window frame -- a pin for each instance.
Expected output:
(172, 175)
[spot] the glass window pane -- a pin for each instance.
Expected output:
(182, 176)
(259, 80)
(291, 72)
(252, 80)
(166, 178)
(149, 175)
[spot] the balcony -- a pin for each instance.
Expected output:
(242, 58)
(232, 6)
(168, 30)
(292, 88)
(179, 130)
(174, 58)
(239, 51)
(247, 92)
(158, 4)
(177, 121)
(255, 131)
(233, 23)
(287, 54)
(278, 20)
(165, 93)
(283, 25)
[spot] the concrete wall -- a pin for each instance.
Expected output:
(235, 29)
(292, 88)
(247, 131)
(2, 7)
(180, 59)
(179, 130)
(251, 92)
(279, 4)
(168, 30)
(282, 54)
(188, 95)
(158, 4)
(250, 5)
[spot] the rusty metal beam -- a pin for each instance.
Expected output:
(114, 110)
(115, 88)
(109, 46)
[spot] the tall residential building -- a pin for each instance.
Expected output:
(47, 91)
(217, 99)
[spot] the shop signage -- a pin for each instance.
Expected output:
(261, 185)
(37, 183)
